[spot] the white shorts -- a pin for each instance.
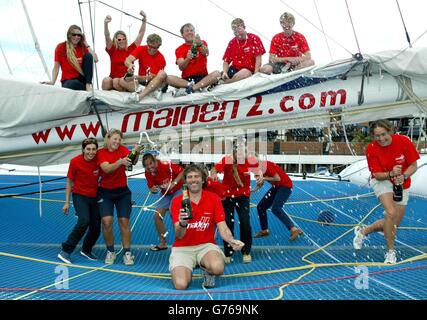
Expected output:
(385, 186)
(190, 256)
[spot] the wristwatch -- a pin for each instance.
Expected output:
(405, 177)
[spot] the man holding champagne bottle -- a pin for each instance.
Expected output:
(392, 159)
(195, 237)
(192, 59)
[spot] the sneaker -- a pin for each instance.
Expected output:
(139, 88)
(133, 98)
(390, 257)
(179, 93)
(359, 237)
(65, 257)
(89, 255)
(208, 279)
(295, 234)
(262, 233)
(158, 94)
(110, 257)
(128, 259)
(247, 258)
(227, 260)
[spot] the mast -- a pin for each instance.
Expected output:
(36, 42)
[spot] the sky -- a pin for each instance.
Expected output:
(378, 27)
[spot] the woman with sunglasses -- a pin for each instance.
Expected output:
(118, 50)
(82, 184)
(75, 58)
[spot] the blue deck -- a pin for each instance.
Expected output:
(319, 265)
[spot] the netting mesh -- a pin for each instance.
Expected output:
(321, 264)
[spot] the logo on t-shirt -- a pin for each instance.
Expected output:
(201, 225)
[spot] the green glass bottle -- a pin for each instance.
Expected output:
(186, 202)
(132, 156)
(194, 49)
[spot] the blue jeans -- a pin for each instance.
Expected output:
(88, 218)
(80, 82)
(275, 198)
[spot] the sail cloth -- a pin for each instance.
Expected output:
(26, 107)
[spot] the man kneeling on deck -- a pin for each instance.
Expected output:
(194, 243)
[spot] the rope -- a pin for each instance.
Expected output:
(31, 183)
(233, 16)
(352, 25)
(404, 26)
(323, 30)
(316, 27)
(128, 14)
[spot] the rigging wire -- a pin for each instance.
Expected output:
(93, 40)
(128, 14)
(323, 30)
(404, 26)
(352, 25)
(81, 16)
(316, 27)
(233, 16)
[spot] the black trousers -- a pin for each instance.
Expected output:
(89, 220)
(80, 82)
(241, 205)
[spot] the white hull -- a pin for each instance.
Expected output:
(296, 100)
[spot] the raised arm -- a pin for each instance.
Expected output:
(108, 41)
(141, 32)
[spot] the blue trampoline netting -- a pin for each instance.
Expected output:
(321, 264)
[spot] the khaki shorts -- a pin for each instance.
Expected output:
(385, 186)
(190, 256)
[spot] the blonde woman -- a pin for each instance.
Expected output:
(75, 58)
(392, 160)
(118, 50)
(114, 192)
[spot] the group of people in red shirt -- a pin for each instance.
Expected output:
(97, 181)
(392, 159)
(242, 58)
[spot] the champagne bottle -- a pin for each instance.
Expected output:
(194, 49)
(397, 192)
(186, 203)
(132, 156)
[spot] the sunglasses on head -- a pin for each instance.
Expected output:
(76, 34)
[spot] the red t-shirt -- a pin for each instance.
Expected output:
(293, 46)
(383, 159)
(196, 66)
(67, 69)
(118, 178)
(166, 172)
(84, 175)
(148, 64)
(242, 53)
(117, 57)
(272, 169)
(232, 189)
(201, 227)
